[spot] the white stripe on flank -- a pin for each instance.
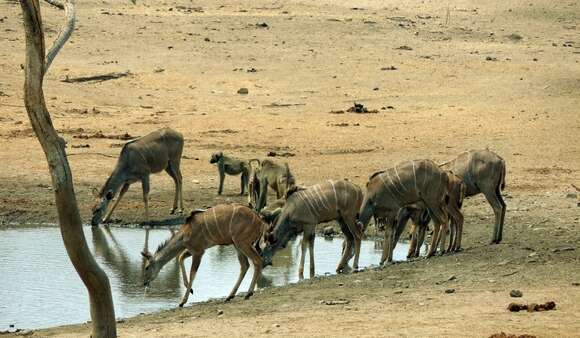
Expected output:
(399, 180)
(322, 197)
(393, 183)
(207, 228)
(217, 226)
(304, 197)
(231, 219)
(334, 190)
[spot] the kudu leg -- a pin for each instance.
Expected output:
(498, 206)
(303, 248)
(145, 186)
(121, 193)
(348, 246)
(440, 219)
(244, 182)
(420, 239)
(311, 237)
(413, 243)
(195, 261)
(244, 266)
(181, 261)
(176, 176)
(253, 255)
(387, 242)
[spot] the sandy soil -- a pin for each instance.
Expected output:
(444, 79)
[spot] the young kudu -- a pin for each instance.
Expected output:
(305, 208)
(157, 151)
(483, 171)
(224, 224)
(392, 193)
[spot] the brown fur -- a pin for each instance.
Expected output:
(230, 166)
(224, 224)
(483, 171)
(150, 154)
(394, 193)
(305, 208)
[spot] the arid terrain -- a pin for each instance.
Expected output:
(443, 77)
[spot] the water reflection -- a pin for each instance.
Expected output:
(40, 287)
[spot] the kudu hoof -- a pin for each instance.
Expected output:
(247, 296)
(228, 299)
(181, 304)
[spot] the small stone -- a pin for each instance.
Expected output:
(452, 277)
(575, 284)
(516, 293)
(398, 292)
(276, 325)
(450, 291)
(243, 91)
(220, 312)
(340, 284)
(571, 195)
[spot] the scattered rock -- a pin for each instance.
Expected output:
(389, 68)
(262, 25)
(515, 37)
(575, 284)
(220, 312)
(404, 47)
(490, 58)
(398, 292)
(276, 325)
(80, 146)
(516, 293)
(243, 91)
(532, 307)
(359, 108)
(572, 195)
(336, 112)
(206, 40)
(450, 291)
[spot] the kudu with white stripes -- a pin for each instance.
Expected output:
(411, 185)
(307, 207)
(224, 224)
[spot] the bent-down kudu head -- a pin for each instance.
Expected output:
(369, 204)
(150, 268)
(99, 209)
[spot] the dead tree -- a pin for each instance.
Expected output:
(37, 63)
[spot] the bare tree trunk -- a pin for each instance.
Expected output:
(94, 278)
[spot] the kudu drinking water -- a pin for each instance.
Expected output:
(152, 153)
(224, 224)
(307, 207)
(411, 185)
(483, 171)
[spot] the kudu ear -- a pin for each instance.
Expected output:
(146, 255)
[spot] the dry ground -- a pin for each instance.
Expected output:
(444, 79)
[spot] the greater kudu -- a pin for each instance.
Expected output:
(483, 171)
(224, 224)
(411, 185)
(152, 153)
(307, 207)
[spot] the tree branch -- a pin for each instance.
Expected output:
(66, 31)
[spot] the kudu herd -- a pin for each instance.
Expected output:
(419, 190)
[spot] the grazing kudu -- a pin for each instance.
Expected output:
(224, 224)
(307, 207)
(421, 218)
(152, 153)
(277, 176)
(483, 171)
(392, 193)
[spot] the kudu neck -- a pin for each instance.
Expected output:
(114, 182)
(174, 246)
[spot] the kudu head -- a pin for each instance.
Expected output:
(370, 202)
(457, 188)
(286, 181)
(277, 238)
(150, 268)
(100, 207)
(215, 157)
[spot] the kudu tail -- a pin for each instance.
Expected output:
(502, 176)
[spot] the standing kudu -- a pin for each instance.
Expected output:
(152, 153)
(305, 208)
(223, 224)
(483, 171)
(392, 193)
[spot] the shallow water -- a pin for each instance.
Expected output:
(40, 288)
